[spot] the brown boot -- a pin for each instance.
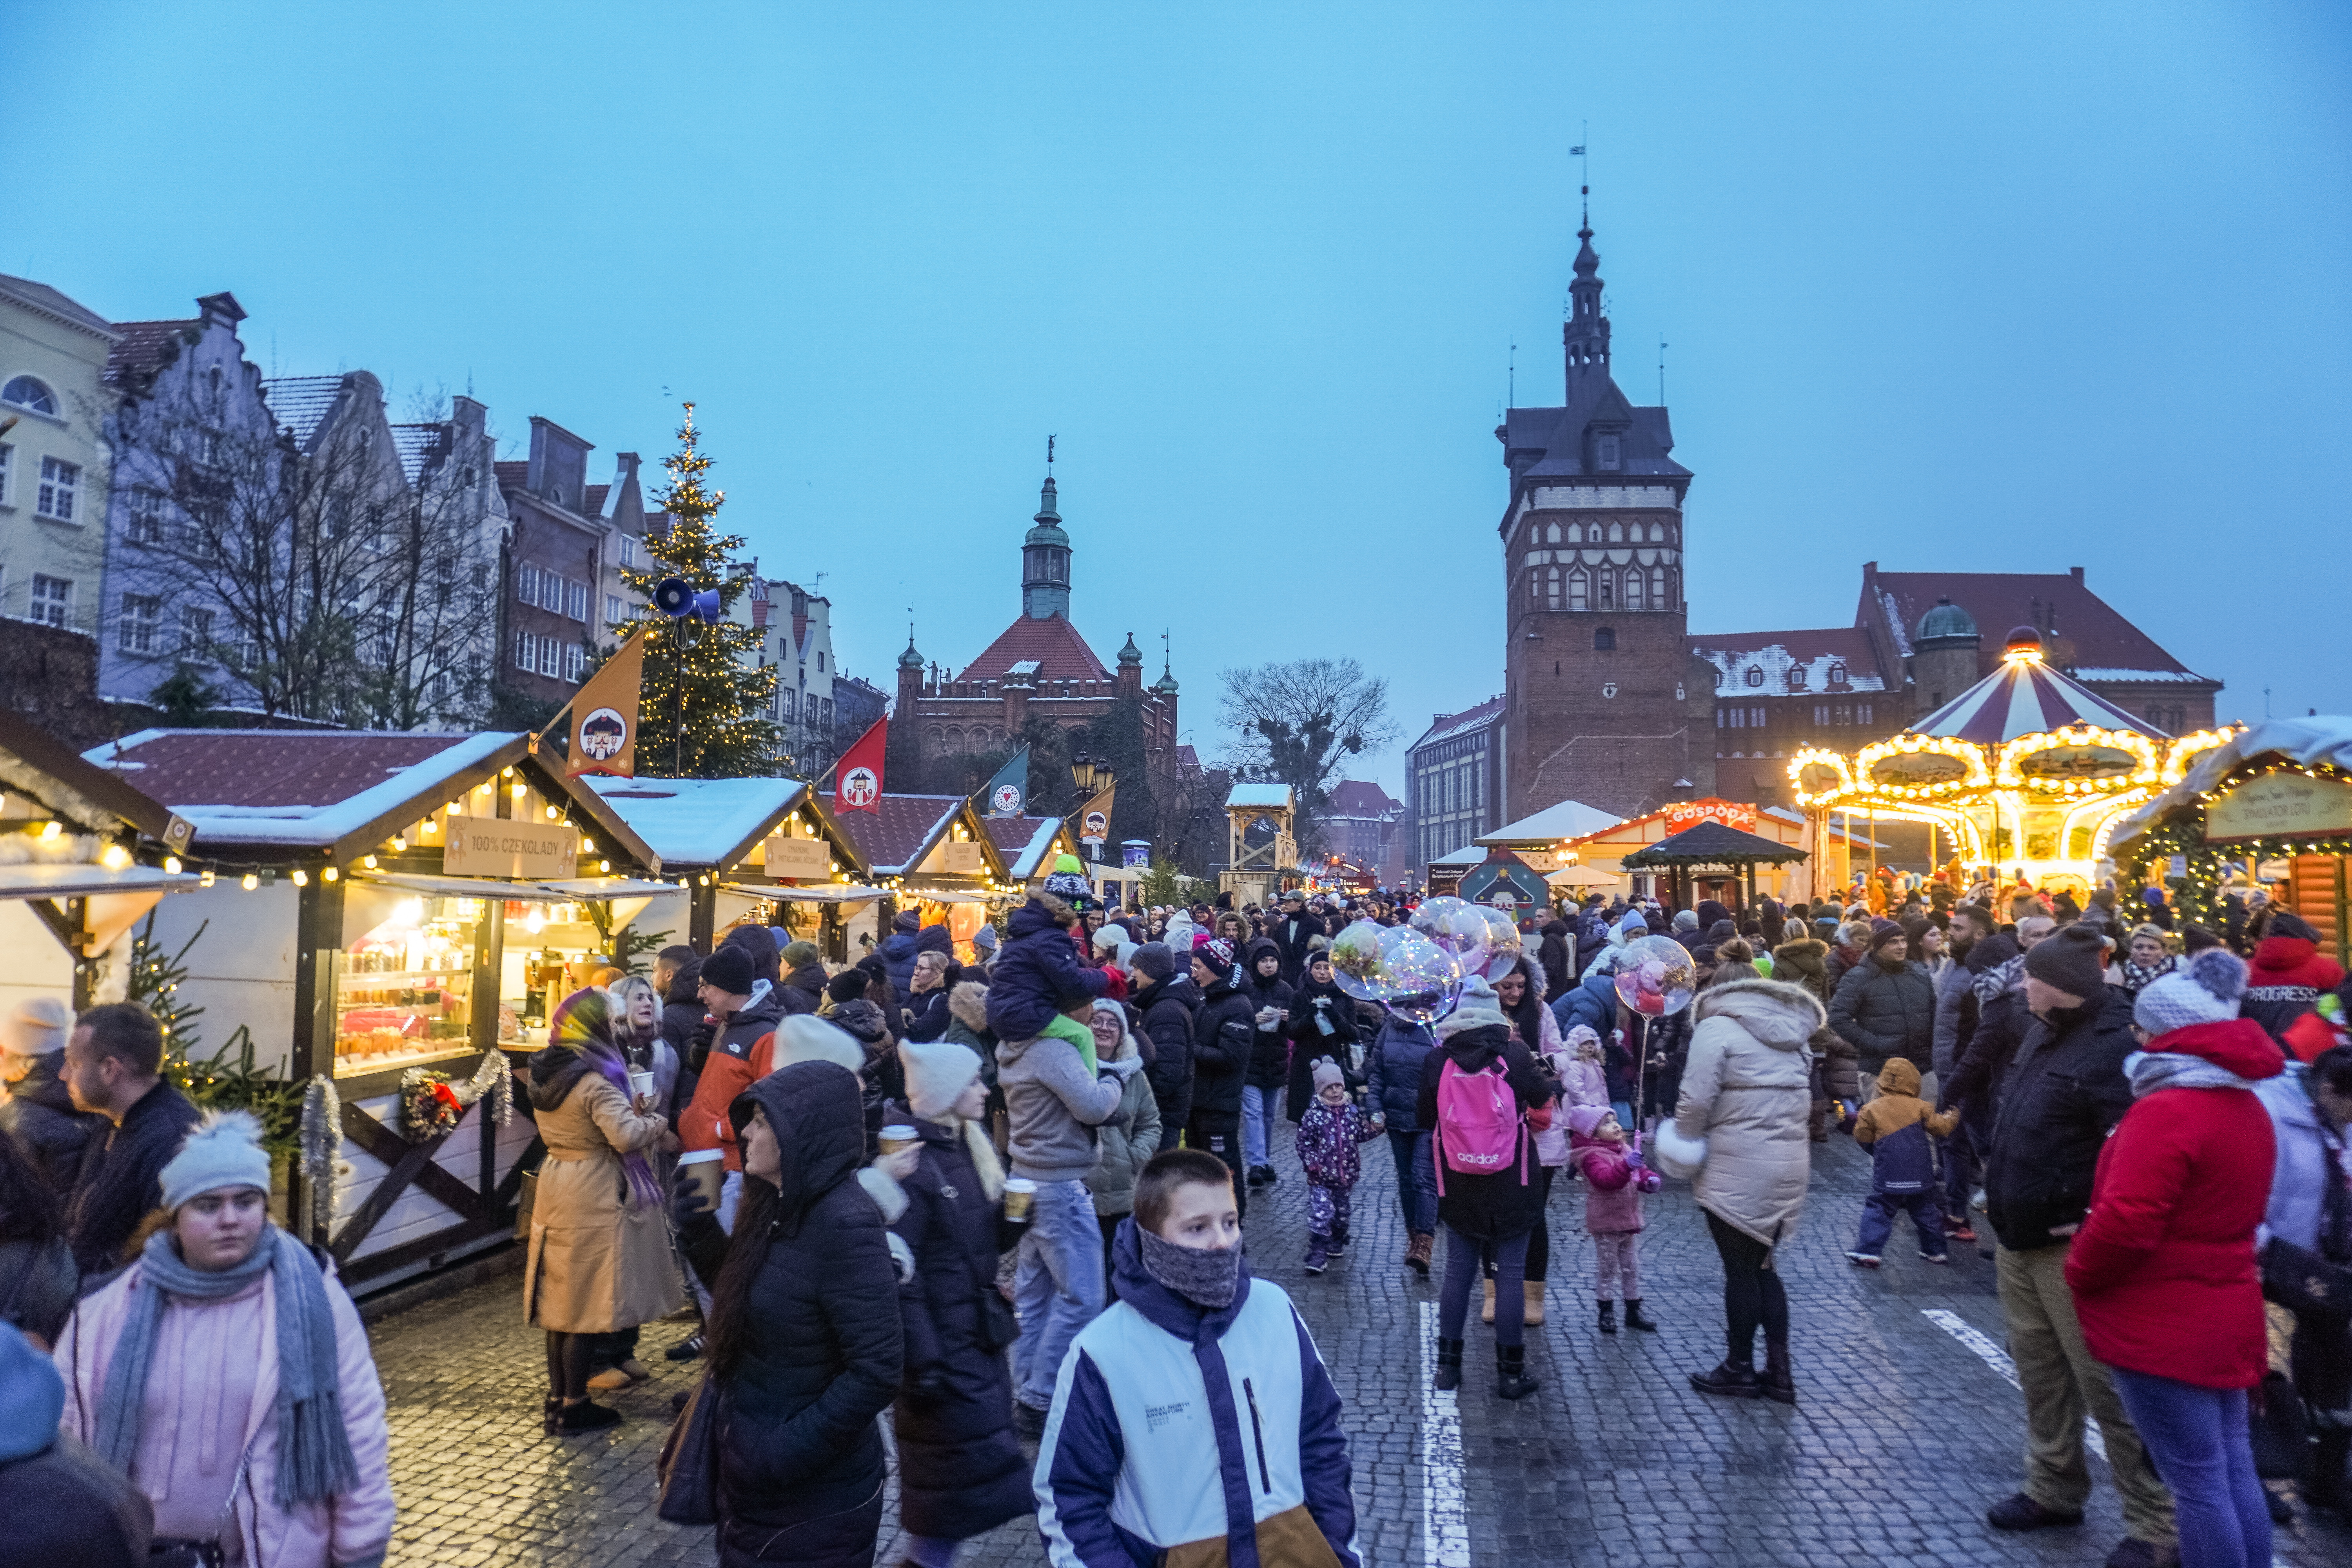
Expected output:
(1486, 1312)
(1534, 1288)
(1418, 1256)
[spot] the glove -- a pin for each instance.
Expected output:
(686, 1202)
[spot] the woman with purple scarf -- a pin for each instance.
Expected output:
(600, 1253)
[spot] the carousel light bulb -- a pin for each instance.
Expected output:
(603, 864)
(427, 825)
(521, 790)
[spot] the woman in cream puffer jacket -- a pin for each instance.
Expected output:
(1739, 1133)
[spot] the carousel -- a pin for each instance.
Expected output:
(2026, 770)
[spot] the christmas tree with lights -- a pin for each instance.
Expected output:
(705, 698)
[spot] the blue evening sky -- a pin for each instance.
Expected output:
(2003, 287)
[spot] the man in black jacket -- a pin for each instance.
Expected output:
(1289, 932)
(113, 1068)
(1223, 1032)
(1166, 1001)
(38, 1110)
(2064, 1095)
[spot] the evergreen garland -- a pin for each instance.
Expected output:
(705, 696)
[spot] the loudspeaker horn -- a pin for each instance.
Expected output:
(706, 605)
(674, 597)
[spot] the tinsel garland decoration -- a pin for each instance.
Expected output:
(431, 1104)
(319, 1153)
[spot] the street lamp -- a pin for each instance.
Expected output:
(1091, 777)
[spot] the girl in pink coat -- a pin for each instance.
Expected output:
(1614, 1178)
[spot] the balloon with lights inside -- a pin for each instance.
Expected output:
(1655, 977)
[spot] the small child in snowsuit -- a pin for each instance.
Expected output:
(1895, 1128)
(1327, 1135)
(1583, 1080)
(1615, 1178)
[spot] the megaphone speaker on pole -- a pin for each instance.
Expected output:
(673, 596)
(706, 605)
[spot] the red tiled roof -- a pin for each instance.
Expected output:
(1360, 797)
(512, 476)
(2052, 601)
(1060, 652)
(145, 348)
(890, 840)
(592, 500)
(273, 767)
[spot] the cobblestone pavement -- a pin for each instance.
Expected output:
(1904, 1435)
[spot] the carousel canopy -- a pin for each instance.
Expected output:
(2025, 697)
(1712, 844)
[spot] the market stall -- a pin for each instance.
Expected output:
(762, 850)
(1601, 859)
(933, 854)
(394, 914)
(1688, 859)
(83, 857)
(2026, 770)
(2271, 804)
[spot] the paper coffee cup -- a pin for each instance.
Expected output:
(897, 1136)
(707, 1168)
(1020, 1192)
(641, 1084)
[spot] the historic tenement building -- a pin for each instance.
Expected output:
(1038, 667)
(1613, 701)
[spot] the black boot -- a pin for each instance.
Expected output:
(1779, 1384)
(1637, 1318)
(1449, 1364)
(1511, 1379)
(1733, 1380)
(1608, 1317)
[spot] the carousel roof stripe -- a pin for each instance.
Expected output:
(2025, 697)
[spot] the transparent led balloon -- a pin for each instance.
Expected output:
(1505, 945)
(1655, 977)
(1424, 980)
(1359, 962)
(1459, 927)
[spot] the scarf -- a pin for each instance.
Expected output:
(314, 1452)
(1205, 1279)
(984, 1161)
(2152, 1071)
(2136, 977)
(565, 1063)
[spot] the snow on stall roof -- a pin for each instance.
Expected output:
(1022, 841)
(289, 786)
(1469, 855)
(698, 822)
(1270, 795)
(1568, 819)
(2322, 738)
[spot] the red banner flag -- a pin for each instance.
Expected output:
(857, 780)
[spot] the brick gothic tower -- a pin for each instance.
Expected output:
(1604, 702)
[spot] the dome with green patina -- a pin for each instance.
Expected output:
(1946, 619)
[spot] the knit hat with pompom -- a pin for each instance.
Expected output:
(2207, 991)
(224, 1150)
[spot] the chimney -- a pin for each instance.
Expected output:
(220, 310)
(2077, 571)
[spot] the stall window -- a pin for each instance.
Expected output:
(550, 952)
(403, 978)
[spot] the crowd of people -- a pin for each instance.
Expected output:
(995, 1192)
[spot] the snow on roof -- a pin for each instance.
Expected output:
(289, 786)
(894, 838)
(2101, 672)
(1469, 855)
(2324, 738)
(1568, 819)
(1022, 841)
(1272, 797)
(700, 821)
(1818, 659)
(1446, 726)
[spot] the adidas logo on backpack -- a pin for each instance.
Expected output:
(1479, 1127)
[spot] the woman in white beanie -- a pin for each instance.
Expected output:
(226, 1373)
(1131, 1135)
(960, 1470)
(38, 1112)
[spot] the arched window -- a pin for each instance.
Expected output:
(1551, 534)
(1551, 587)
(1616, 533)
(1657, 533)
(1658, 600)
(1796, 678)
(1633, 598)
(1755, 676)
(1576, 533)
(1577, 582)
(1608, 592)
(1535, 588)
(1604, 641)
(1837, 675)
(26, 393)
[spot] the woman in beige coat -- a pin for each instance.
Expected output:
(600, 1253)
(1740, 1132)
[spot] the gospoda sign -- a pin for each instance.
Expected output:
(1685, 813)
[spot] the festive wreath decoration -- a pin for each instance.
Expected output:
(431, 1103)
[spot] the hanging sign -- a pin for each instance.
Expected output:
(524, 851)
(801, 858)
(964, 859)
(1684, 814)
(2280, 806)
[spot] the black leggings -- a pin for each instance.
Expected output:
(1539, 1239)
(1752, 1292)
(569, 1357)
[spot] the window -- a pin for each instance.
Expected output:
(1604, 641)
(1844, 711)
(551, 658)
(1608, 591)
(1862, 713)
(820, 661)
(26, 393)
(612, 607)
(196, 632)
(1633, 600)
(1820, 713)
(826, 710)
(1576, 583)
(1756, 717)
(1796, 678)
(59, 482)
(52, 597)
(1551, 534)
(1576, 533)
(6, 453)
(1657, 533)
(1837, 675)
(1609, 453)
(575, 663)
(628, 550)
(1616, 533)
(1755, 675)
(522, 651)
(527, 583)
(146, 517)
(141, 612)
(1552, 600)
(576, 600)
(811, 708)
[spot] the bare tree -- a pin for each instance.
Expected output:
(1296, 723)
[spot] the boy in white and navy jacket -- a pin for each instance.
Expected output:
(1195, 1412)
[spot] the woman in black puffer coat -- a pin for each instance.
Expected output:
(961, 1472)
(1316, 1003)
(804, 1337)
(1500, 1209)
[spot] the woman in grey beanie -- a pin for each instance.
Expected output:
(166, 1375)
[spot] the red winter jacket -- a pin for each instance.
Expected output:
(2288, 974)
(2163, 1269)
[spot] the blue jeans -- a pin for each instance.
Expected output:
(1416, 1180)
(1058, 1286)
(1258, 1124)
(2196, 1438)
(1878, 1212)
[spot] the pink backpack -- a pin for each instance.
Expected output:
(1478, 1123)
